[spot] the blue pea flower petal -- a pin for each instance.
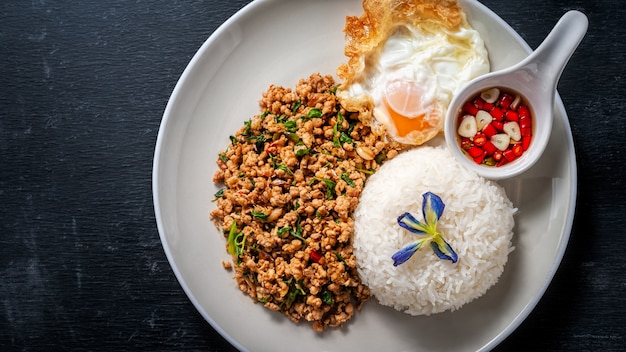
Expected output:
(409, 222)
(443, 250)
(432, 208)
(405, 253)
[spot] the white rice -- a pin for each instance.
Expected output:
(477, 222)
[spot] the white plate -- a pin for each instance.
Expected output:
(280, 41)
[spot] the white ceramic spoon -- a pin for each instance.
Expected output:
(535, 79)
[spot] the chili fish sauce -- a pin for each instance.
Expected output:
(495, 127)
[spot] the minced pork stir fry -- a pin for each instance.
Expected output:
(291, 180)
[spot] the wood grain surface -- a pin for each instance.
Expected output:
(83, 86)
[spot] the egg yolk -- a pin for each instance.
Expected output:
(403, 100)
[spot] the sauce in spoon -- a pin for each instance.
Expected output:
(535, 80)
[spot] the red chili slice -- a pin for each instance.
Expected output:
(512, 115)
(526, 142)
(470, 108)
(506, 100)
(499, 125)
(479, 103)
(525, 121)
(479, 159)
(497, 113)
(489, 129)
(475, 151)
(509, 155)
(480, 139)
(522, 110)
(489, 148)
(316, 256)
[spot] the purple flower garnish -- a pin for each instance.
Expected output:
(432, 208)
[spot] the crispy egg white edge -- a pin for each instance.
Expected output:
(439, 60)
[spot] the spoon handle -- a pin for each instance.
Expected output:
(555, 51)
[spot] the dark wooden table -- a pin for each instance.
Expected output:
(83, 85)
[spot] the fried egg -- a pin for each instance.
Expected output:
(407, 60)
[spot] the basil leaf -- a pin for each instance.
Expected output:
(219, 193)
(283, 230)
(291, 126)
(259, 215)
(248, 124)
(351, 127)
(280, 119)
(297, 233)
(296, 106)
(327, 296)
(336, 142)
(302, 152)
(330, 187)
(315, 112)
(346, 177)
(284, 168)
(344, 138)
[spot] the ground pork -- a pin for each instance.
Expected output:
(291, 178)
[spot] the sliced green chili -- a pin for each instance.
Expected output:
(380, 157)
(366, 171)
(292, 137)
(231, 238)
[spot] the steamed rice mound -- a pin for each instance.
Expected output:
(477, 222)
